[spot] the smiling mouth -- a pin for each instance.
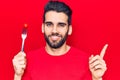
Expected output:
(54, 38)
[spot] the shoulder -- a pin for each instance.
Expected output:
(37, 50)
(79, 53)
(35, 53)
(79, 56)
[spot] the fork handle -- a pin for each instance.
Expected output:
(22, 47)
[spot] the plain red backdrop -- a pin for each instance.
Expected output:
(95, 23)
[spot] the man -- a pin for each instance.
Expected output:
(57, 60)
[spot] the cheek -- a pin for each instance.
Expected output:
(64, 33)
(47, 31)
(63, 30)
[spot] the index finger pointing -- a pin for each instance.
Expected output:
(102, 53)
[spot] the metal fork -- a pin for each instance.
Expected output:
(23, 36)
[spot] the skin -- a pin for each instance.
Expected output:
(57, 23)
(97, 65)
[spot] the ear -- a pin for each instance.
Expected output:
(42, 27)
(70, 30)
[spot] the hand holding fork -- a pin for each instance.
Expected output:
(19, 60)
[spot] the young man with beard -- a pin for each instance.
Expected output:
(57, 60)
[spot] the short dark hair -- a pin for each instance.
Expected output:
(58, 7)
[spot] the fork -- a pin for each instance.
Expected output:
(23, 36)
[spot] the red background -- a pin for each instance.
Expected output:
(95, 22)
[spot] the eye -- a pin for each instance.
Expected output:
(61, 24)
(48, 24)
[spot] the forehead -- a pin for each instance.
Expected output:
(54, 16)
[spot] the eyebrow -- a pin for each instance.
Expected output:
(59, 23)
(62, 23)
(48, 22)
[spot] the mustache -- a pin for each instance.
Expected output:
(55, 34)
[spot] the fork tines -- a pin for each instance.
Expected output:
(24, 30)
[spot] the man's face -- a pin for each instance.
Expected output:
(55, 28)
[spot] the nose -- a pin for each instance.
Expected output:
(54, 30)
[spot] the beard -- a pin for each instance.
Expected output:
(55, 44)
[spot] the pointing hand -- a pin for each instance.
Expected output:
(97, 65)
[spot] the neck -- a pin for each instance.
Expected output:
(58, 51)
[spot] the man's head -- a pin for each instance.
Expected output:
(56, 23)
(58, 7)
